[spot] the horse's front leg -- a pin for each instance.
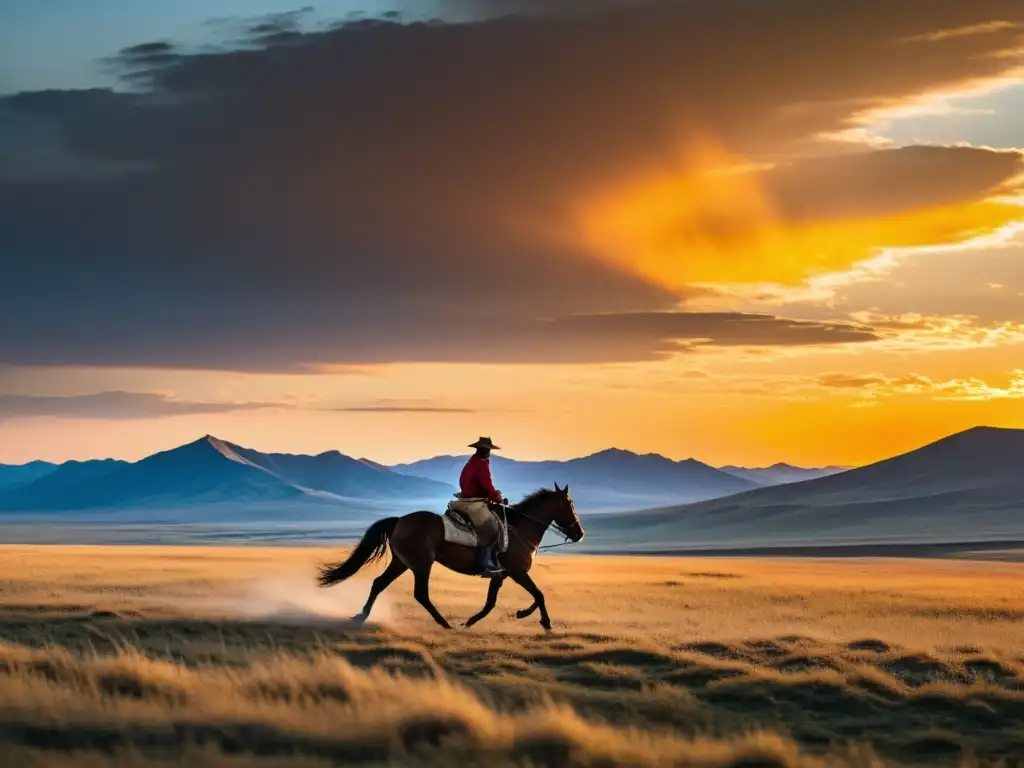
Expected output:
(523, 579)
(492, 598)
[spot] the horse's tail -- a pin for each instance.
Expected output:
(370, 549)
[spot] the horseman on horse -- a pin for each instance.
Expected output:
(479, 501)
(419, 539)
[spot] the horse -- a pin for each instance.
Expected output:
(417, 542)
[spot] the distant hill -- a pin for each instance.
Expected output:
(609, 480)
(781, 474)
(64, 481)
(336, 473)
(966, 487)
(12, 475)
(441, 468)
(213, 471)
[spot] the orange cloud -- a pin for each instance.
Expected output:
(972, 29)
(970, 388)
(714, 218)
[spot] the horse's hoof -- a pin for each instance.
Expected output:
(522, 614)
(546, 625)
(358, 618)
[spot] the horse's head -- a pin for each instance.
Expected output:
(565, 516)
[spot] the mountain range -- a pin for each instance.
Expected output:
(781, 474)
(968, 487)
(211, 471)
(12, 475)
(608, 480)
(963, 488)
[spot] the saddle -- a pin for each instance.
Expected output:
(458, 518)
(459, 527)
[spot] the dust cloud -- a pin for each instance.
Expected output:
(299, 598)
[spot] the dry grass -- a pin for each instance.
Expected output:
(201, 656)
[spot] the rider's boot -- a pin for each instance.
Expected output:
(488, 562)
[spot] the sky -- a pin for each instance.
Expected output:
(747, 231)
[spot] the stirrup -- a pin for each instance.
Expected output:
(491, 567)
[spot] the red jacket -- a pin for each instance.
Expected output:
(475, 480)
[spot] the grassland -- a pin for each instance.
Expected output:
(164, 656)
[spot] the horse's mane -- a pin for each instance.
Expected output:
(529, 502)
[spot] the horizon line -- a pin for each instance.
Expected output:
(720, 467)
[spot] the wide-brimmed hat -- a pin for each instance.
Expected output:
(485, 442)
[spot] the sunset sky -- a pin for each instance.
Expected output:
(747, 231)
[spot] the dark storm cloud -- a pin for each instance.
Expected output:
(113, 405)
(386, 191)
(210, 341)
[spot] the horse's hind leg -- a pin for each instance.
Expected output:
(492, 598)
(395, 569)
(524, 580)
(421, 592)
(526, 612)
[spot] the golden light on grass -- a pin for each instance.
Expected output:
(711, 220)
(159, 656)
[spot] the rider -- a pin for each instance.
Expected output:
(475, 483)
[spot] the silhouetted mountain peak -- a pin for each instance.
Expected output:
(89, 465)
(614, 453)
(984, 436)
(203, 443)
(623, 454)
(780, 465)
(984, 429)
(37, 463)
(206, 448)
(979, 447)
(692, 462)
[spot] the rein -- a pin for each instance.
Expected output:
(549, 523)
(559, 544)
